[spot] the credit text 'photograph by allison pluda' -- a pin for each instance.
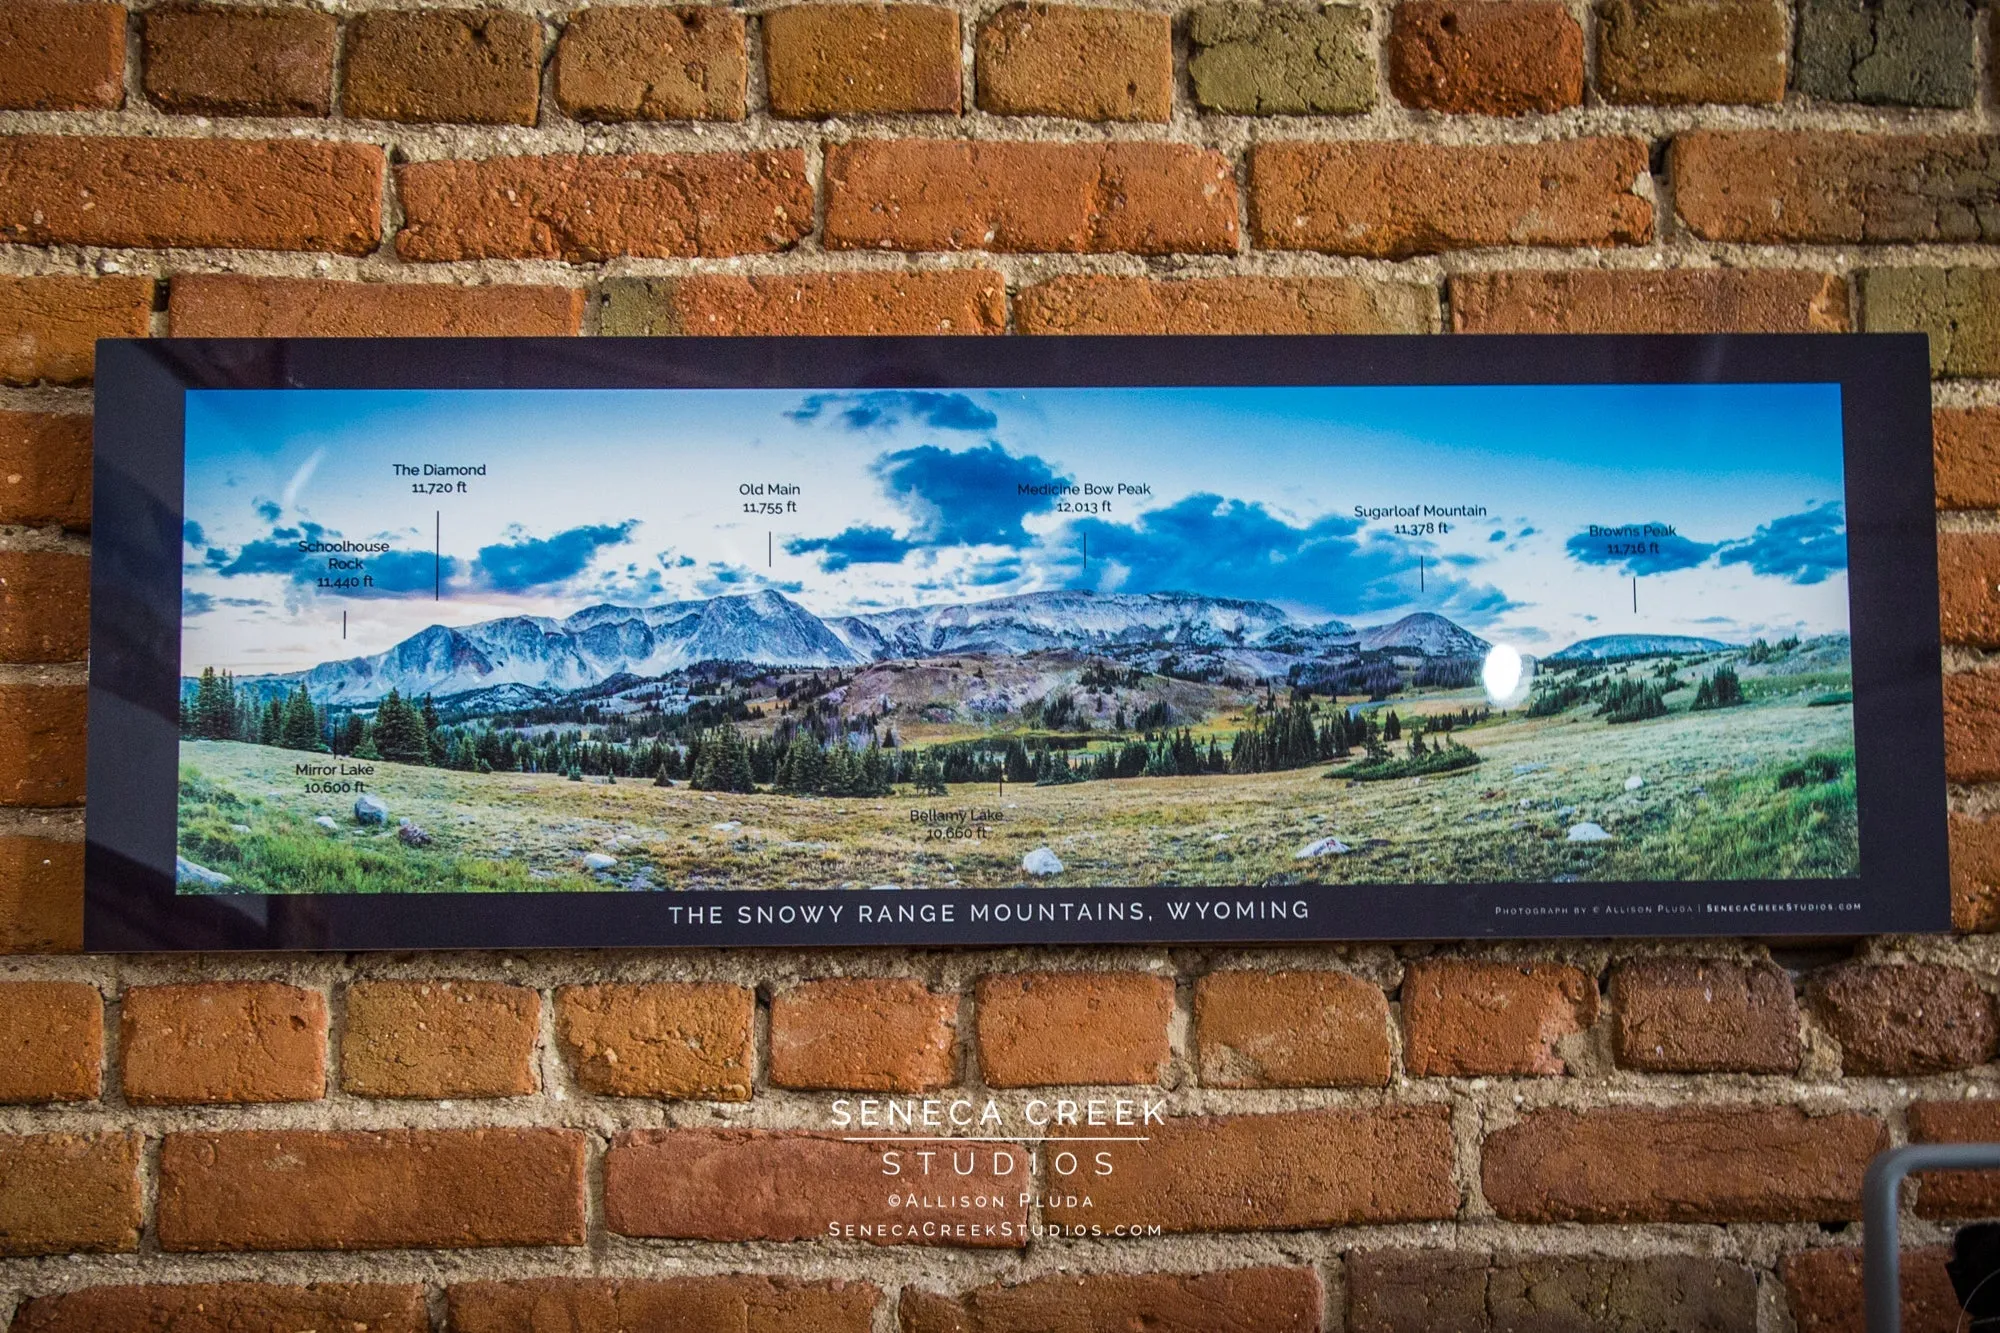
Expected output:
(653, 640)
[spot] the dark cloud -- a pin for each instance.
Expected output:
(883, 409)
(392, 573)
(862, 545)
(974, 497)
(268, 510)
(1804, 547)
(1650, 548)
(195, 603)
(527, 563)
(192, 534)
(1499, 535)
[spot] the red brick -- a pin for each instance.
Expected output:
(44, 606)
(1291, 1030)
(1685, 1164)
(1786, 187)
(745, 1185)
(45, 469)
(249, 194)
(1684, 52)
(1975, 873)
(1965, 454)
(624, 63)
(61, 57)
(1041, 1028)
(1394, 200)
(41, 745)
(1969, 587)
(1415, 1291)
(51, 1041)
(225, 60)
(473, 66)
(1705, 1016)
(1905, 1018)
(1099, 304)
(223, 1041)
(1471, 57)
(49, 327)
(69, 1193)
(1077, 61)
(1680, 300)
(1466, 1017)
(356, 1190)
(226, 305)
(919, 194)
(440, 1039)
(1971, 726)
(753, 1303)
(663, 1039)
(587, 209)
(969, 300)
(229, 1307)
(856, 60)
(1231, 1300)
(1285, 1171)
(41, 895)
(864, 1034)
(1956, 1194)
(1824, 1288)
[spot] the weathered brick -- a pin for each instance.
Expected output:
(744, 1185)
(229, 1307)
(1685, 1164)
(440, 1039)
(665, 1039)
(1145, 198)
(225, 60)
(1905, 1018)
(1393, 200)
(1705, 1016)
(41, 745)
(1077, 61)
(228, 305)
(1101, 304)
(1282, 59)
(1969, 587)
(41, 895)
(590, 208)
(49, 327)
(1955, 306)
(44, 606)
(1901, 53)
(865, 59)
(69, 1193)
(1965, 456)
(753, 1303)
(1413, 1291)
(935, 301)
(1230, 1300)
(1682, 52)
(1472, 58)
(1680, 300)
(249, 194)
(1971, 726)
(1975, 873)
(472, 66)
(361, 1190)
(51, 1041)
(1040, 1028)
(1799, 187)
(619, 63)
(1462, 1016)
(1825, 1292)
(1291, 1030)
(45, 469)
(61, 56)
(1956, 1194)
(223, 1041)
(1287, 1170)
(864, 1034)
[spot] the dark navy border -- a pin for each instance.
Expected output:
(135, 648)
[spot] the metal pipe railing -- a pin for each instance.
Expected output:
(1881, 1235)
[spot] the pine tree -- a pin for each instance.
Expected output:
(399, 731)
(271, 730)
(429, 717)
(300, 730)
(214, 707)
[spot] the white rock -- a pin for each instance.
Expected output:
(879, 887)
(1322, 847)
(1042, 861)
(189, 875)
(1587, 832)
(727, 826)
(329, 823)
(1218, 837)
(599, 861)
(1634, 782)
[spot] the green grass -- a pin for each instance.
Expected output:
(1784, 821)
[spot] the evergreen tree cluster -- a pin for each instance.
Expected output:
(219, 710)
(1720, 690)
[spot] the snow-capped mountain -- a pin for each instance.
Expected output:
(1426, 633)
(1076, 620)
(1607, 647)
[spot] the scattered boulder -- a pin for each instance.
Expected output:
(411, 834)
(1634, 782)
(328, 822)
(239, 828)
(1587, 832)
(188, 875)
(599, 861)
(1042, 861)
(370, 810)
(1321, 847)
(727, 826)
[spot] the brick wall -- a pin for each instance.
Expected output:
(1372, 1138)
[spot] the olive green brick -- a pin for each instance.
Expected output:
(1958, 307)
(1274, 60)
(1887, 52)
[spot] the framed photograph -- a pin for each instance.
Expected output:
(521, 643)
